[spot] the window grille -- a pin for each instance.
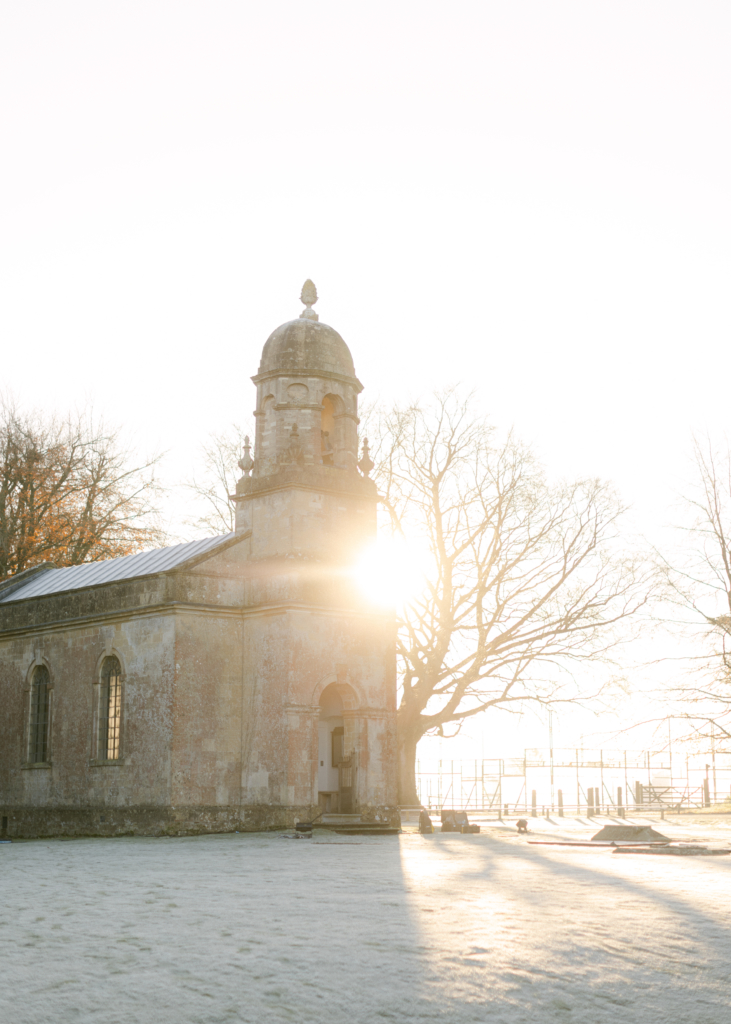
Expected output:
(39, 715)
(110, 710)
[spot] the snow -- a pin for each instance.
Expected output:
(344, 929)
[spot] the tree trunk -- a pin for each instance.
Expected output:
(408, 737)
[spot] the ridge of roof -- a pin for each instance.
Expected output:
(113, 570)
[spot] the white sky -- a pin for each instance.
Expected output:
(532, 198)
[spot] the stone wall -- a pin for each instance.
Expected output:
(223, 664)
(73, 787)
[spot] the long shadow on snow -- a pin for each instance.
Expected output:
(591, 885)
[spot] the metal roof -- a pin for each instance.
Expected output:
(91, 574)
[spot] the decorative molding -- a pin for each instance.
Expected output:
(178, 608)
(302, 709)
(353, 382)
(297, 392)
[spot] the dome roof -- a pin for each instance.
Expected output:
(306, 345)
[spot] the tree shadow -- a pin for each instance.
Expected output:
(553, 932)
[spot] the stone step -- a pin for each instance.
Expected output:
(358, 828)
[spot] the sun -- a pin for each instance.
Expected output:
(391, 571)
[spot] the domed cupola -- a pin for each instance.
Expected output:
(305, 346)
(307, 397)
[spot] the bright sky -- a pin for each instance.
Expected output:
(532, 198)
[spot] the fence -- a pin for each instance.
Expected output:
(581, 781)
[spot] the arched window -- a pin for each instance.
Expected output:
(331, 430)
(39, 715)
(267, 449)
(110, 710)
(328, 414)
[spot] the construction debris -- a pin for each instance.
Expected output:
(590, 844)
(674, 851)
(457, 821)
(629, 834)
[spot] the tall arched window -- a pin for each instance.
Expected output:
(39, 715)
(331, 429)
(266, 451)
(110, 710)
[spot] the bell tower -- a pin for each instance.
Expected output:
(306, 441)
(319, 658)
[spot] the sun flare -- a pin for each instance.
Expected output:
(391, 571)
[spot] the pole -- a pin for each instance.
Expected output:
(534, 804)
(525, 777)
(560, 803)
(687, 780)
(550, 748)
(713, 759)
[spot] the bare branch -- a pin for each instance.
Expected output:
(70, 492)
(524, 578)
(699, 577)
(221, 454)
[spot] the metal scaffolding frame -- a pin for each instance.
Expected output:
(546, 780)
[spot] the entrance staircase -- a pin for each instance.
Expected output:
(353, 825)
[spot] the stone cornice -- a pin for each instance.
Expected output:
(366, 711)
(310, 407)
(295, 375)
(309, 478)
(178, 608)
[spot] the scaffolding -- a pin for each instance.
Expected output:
(578, 781)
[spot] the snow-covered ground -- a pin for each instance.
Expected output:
(259, 928)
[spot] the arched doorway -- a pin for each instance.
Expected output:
(336, 772)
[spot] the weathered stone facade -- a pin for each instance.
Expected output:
(257, 684)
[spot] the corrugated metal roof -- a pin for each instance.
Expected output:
(91, 574)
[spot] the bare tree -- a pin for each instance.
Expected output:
(70, 492)
(699, 573)
(524, 578)
(217, 480)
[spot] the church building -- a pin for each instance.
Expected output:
(241, 682)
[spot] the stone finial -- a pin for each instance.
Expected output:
(246, 463)
(309, 297)
(366, 463)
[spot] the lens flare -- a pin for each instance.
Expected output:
(391, 571)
